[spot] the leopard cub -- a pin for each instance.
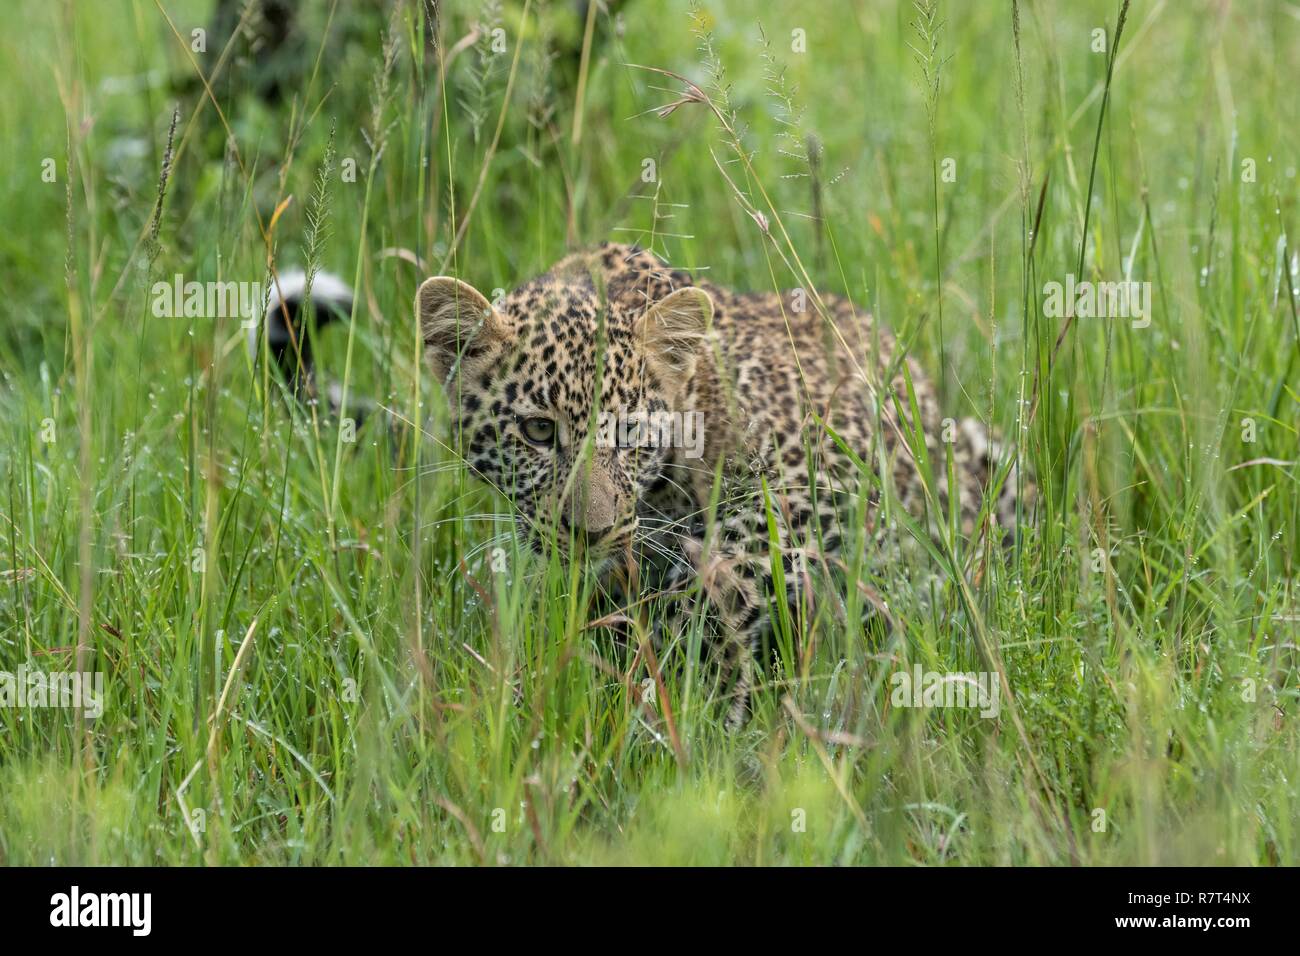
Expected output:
(781, 406)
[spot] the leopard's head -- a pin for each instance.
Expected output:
(559, 397)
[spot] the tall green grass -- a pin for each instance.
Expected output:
(314, 651)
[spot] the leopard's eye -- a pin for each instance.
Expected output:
(539, 431)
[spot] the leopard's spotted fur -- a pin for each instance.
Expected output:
(780, 390)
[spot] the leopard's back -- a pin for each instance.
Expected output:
(791, 362)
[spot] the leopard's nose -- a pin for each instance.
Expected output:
(587, 536)
(593, 536)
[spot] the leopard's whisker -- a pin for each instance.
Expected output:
(493, 541)
(657, 549)
(500, 519)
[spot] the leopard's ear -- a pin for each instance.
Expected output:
(672, 331)
(456, 321)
